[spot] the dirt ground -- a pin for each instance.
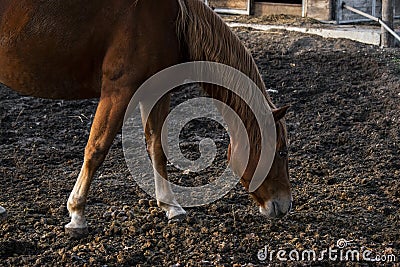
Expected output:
(291, 20)
(344, 127)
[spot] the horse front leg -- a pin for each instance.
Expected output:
(153, 130)
(106, 124)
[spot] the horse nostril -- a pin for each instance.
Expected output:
(277, 210)
(291, 206)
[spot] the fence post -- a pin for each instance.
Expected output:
(387, 17)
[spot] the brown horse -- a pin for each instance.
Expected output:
(83, 49)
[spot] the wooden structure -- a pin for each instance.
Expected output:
(387, 17)
(318, 9)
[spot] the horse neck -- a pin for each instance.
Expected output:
(205, 37)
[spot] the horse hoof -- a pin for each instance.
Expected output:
(177, 218)
(76, 233)
(3, 213)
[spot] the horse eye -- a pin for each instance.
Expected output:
(283, 153)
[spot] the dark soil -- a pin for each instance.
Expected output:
(281, 19)
(298, 21)
(344, 127)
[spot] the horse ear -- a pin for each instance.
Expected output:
(279, 113)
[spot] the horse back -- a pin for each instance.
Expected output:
(58, 48)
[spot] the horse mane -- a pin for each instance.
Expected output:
(208, 38)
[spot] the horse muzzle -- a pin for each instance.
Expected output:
(276, 208)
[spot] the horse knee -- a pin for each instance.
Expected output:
(95, 154)
(156, 151)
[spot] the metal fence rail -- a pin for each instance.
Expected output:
(372, 18)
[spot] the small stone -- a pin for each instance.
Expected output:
(126, 208)
(121, 214)
(143, 202)
(120, 257)
(153, 203)
(132, 229)
(131, 215)
(107, 214)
